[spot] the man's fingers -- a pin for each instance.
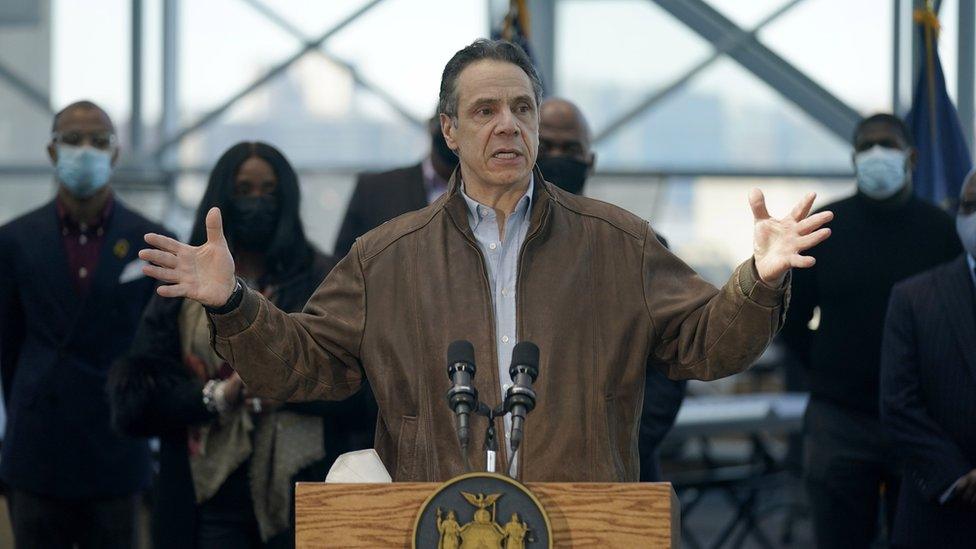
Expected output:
(802, 208)
(758, 204)
(814, 222)
(158, 257)
(802, 261)
(215, 226)
(164, 243)
(171, 290)
(812, 239)
(161, 274)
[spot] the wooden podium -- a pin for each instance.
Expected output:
(626, 515)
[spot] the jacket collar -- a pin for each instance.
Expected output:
(457, 209)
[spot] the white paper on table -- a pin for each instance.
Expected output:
(358, 466)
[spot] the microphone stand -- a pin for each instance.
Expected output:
(491, 435)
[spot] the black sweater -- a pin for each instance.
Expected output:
(872, 246)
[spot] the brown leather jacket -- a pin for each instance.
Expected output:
(597, 293)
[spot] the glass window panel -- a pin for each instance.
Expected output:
(90, 55)
(844, 46)
(224, 46)
(725, 119)
(612, 54)
(318, 117)
(311, 18)
(747, 14)
(408, 61)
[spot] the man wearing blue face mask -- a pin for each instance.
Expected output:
(71, 295)
(882, 234)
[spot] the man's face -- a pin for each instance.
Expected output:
(885, 135)
(496, 133)
(83, 126)
(563, 134)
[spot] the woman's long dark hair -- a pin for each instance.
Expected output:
(289, 249)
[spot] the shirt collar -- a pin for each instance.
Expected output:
(68, 223)
(523, 205)
(972, 265)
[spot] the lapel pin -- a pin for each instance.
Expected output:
(121, 248)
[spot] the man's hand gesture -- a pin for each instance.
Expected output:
(202, 273)
(777, 243)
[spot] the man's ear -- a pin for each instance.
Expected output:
(591, 164)
(52, 153)
(115, 156)
(447, 128)
(912, 158)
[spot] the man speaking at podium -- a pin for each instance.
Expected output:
(502, 256)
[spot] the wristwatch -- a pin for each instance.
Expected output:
(232, 302)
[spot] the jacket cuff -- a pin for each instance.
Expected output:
(758, 291)
(239, 319)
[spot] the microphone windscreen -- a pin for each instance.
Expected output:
(460, 351)
(525, 353)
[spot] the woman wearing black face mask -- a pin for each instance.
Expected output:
(228, 462)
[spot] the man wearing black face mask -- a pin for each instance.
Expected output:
(882, 234)
(379, 197)
(565, 157)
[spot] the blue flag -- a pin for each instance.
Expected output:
(514, 28)
(943, 154)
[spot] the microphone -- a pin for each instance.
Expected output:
(462, 397)
(520, 398)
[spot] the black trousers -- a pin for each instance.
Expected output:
(227, 519)
(46, 522)
(851, 470)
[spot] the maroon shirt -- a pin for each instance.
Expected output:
(83, 243)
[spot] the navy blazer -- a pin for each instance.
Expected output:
(928, 401)
(55, 351)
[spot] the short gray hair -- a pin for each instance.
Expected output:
(497, 50)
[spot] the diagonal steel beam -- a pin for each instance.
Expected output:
(25, 89)
(657, 96)
(791, 83)
(353, 71)
(262, 80)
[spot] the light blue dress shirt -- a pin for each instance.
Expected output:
(501, 258)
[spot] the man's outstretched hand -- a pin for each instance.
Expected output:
(777, 243)
(202, 273)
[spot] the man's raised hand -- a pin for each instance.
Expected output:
(777, 243)
(202, 273)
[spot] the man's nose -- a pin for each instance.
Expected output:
(507, 122)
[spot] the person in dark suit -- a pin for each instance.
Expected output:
(228, 463)
(928, 394)
(379, 197)
(566, 159)
(71, 294)
(882, 235)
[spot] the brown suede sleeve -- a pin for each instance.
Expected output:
(312, 355)
(700, 332)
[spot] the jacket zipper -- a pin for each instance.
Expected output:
(503, 450)
(520, 318)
